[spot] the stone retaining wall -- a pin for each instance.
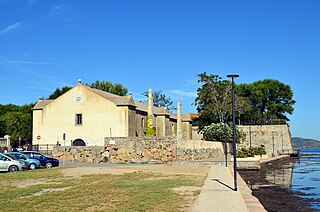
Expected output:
(199, 150)
(276, 138)
(142, 150)
(90, 154)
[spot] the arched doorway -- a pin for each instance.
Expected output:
(78, 142)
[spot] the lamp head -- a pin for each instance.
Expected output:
(233, 75)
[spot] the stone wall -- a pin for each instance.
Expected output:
(275, 138)
(142, 150)
(90, 154)
(199, 149)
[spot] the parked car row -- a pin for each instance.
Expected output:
(25, 160)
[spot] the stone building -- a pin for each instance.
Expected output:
(88, 116)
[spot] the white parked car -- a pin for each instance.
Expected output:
(9, 164)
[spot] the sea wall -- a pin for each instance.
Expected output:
(199, 149)
(275, 138)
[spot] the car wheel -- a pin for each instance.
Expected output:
(32, 166)
(13, 168)
(48, 165)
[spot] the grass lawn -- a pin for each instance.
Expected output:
(50, 190)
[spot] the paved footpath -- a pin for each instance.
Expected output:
(217, 194)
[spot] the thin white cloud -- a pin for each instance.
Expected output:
(28, 62)
(19, 68)
(58, 9)
(183, 93)
(10, 28)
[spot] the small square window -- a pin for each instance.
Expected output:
(78, 119)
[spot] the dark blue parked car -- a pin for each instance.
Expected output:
(44, 160)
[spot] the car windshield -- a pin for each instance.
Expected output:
(20, 156)
(12, 157)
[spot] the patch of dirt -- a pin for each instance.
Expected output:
(195, 171)
(189, 193)
(50, 190)
(81, 171)
(26, 183)
(187, 190)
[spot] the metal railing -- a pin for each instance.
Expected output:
(42, 148)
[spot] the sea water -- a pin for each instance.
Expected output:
(306, 176)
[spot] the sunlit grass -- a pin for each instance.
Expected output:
(103, 192)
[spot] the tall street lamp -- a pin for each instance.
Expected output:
(232, 76)
(225, 141)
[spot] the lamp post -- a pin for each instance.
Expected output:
(273, 144)
(282, 142)
(232, 76)
(250, 134)
(225, 141)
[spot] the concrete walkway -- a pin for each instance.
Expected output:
(218, 195)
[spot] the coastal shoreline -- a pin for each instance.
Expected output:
(272, 196)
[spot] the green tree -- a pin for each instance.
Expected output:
(107, 86)
(117, 89)
(161, 100)
(16, 120)
(269, 100)
(18, 124)
(58, 92)
(214, 100)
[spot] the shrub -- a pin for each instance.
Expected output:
(251, 151)
(216, 132)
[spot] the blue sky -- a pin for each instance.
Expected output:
(163, 45)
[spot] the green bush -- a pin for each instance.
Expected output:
(242, 153)
(251, 151)
(216, 132)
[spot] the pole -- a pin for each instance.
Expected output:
(234, 134)
(250, 134)
(282, 143)
(64, 149)
(273, 144)
(225, 141)
(72, 150)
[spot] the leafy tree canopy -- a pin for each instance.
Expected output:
(269, 100)
(58, 92)
(107, 86)
(16, 121)
(161, 100)
(214, 100)
(117, 89)
(262, 102)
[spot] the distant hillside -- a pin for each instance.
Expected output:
(305, 142)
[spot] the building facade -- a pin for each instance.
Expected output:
(88, 116)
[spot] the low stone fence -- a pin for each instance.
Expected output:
(199, 149)
(141, 150)
(90, 154)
